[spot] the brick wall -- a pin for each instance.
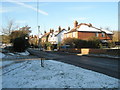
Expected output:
(71, 50)
(85, 35)
(109, 37)
(88, 35)
(115, 52)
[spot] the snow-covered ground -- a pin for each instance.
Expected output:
(26, 53)
(2, 55)
(15, 55)
(30, 74)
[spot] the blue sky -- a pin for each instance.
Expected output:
(54, 14)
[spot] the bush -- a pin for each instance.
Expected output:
(46, 45)
(77, 43)
(20, 44)
(111, 44)
(70, 41)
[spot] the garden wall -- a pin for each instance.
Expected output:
(71, 50)
(83, 51)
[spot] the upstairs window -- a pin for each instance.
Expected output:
(103, 34)
(96, 34)
(74, 34)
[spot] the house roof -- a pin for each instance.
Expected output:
(56, 32)
(60, 32)
(83, 27)
(107, 31)
(45, 35)
(86, 28)
(72, 30)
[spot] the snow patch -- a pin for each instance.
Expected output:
(11, 54)
(2, 55)
(53, 75)
(26, 53)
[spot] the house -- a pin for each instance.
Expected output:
(60, 35)
(33, 40)
(52, 37)
(44, 38)
(56, 37)
(85, 31)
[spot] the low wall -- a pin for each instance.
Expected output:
(71, 50)
(93, 51)
(115, 52)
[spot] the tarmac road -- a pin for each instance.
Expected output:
(102, 65)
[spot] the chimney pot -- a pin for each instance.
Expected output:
(75, 24)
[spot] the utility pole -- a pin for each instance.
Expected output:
(38, 24)
(38, 37)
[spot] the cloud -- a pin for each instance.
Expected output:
(28, 6)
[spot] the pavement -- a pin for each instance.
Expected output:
(108, 66)
(102, 56)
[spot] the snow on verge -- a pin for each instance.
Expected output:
(26, 53)
(2, 55)
(54, 75)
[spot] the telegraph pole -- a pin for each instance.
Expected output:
(38, 37)
(38, 24)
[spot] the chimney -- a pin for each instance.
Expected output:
(68, 28)
(59, 29)
(44, 32)
(51, 30)
(75, 24)
(90, 25)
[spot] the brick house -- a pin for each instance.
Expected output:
(44, 38)
(85, 31)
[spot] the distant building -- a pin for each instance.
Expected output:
(33, 39)
(44, 38)
(52, 37)
(56, 37)
(85, 31)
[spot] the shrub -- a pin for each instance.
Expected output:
(77, 43)
(111, 44)
(20, 44)
(46, 45)
(70, 41)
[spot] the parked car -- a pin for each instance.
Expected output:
(65, 47)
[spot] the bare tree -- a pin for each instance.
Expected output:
(9, 27)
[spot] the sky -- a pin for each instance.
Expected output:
(55, 14)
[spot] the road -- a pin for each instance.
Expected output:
(102, 65)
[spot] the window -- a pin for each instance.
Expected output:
(96, 34)
(103, 34)
(74, 34)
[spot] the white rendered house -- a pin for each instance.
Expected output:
(57, 36)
